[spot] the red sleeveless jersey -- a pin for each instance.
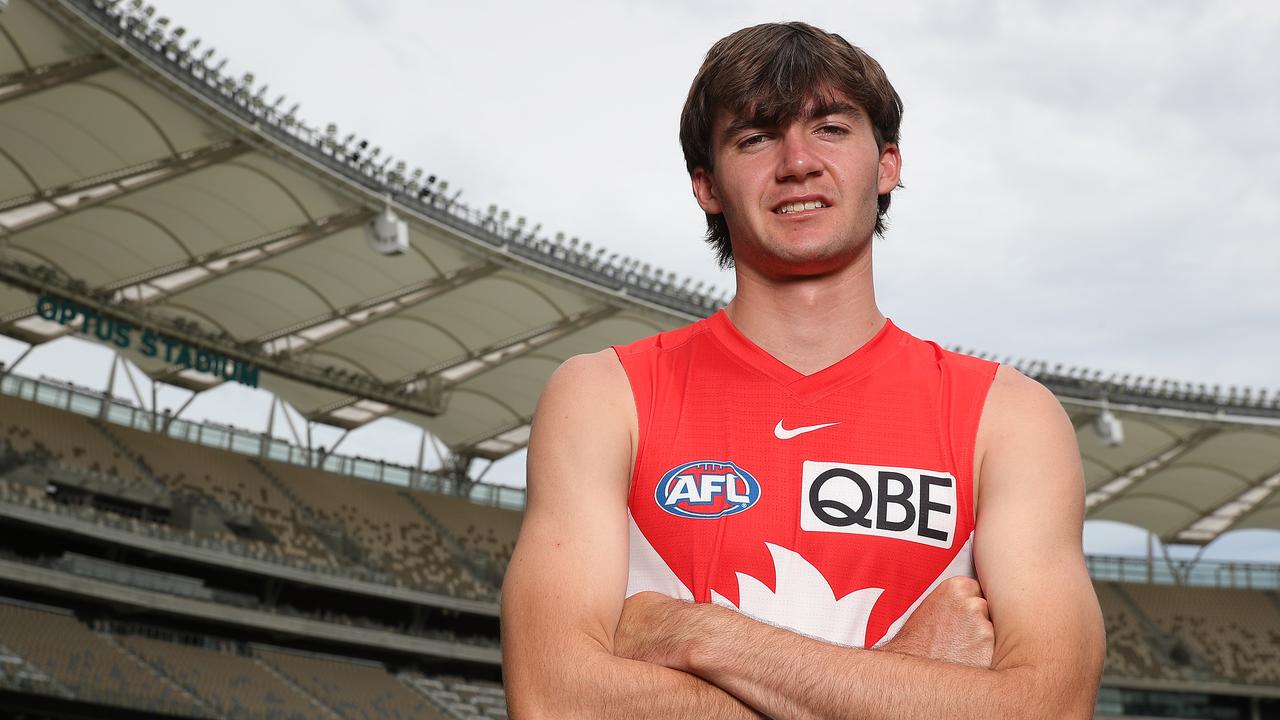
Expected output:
(830, 503)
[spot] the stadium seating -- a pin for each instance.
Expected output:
(34, 428)
(50, 652)
(1129, 653)
(314, 518)
(85, 664)
(462, 699)
(489, 531)
(392, 534)
(1236, 631)
(234, 483)
(353, 688)
(230, 684)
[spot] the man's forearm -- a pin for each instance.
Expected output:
(603, 686)
(791, 676)
(786, 675)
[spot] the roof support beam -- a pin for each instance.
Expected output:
(474, 447)
(298, 338)
(159, 284)
(33, 80)
(459, 370)
(48, 204)
(504, 351)
(1207, 528)
(1117, 487)
(305, 335)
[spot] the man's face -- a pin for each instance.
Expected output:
(767, 179)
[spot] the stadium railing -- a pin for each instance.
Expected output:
(1202, 573)
(91, 403)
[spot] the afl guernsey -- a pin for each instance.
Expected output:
(830, 504)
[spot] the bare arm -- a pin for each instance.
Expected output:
(565, 586)
(1048, 630)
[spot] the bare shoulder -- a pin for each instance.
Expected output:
(586, 412)
(597, 373)
(587, 388)
(1014, 397)
(1023, 422)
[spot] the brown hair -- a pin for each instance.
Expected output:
(772, 73)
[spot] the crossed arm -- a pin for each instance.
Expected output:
(572, 647)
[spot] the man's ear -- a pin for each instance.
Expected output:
(890, 169)
(704, 189)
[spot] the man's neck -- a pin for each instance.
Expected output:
(808, 323)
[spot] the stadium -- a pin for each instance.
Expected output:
(157, 566)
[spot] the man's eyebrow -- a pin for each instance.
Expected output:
(740, 124)
(822, 108)
(833, 107)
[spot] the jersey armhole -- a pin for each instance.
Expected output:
(643, 414)
(982, 393)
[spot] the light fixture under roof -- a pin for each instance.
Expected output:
(1108, 427)
(387, 233)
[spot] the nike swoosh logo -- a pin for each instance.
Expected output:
(784, 434)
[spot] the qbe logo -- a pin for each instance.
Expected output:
(706, 489)
(894, 502)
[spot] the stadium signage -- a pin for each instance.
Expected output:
(150, 343)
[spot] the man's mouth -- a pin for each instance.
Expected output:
(795, 207)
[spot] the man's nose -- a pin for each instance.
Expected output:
(798, 159)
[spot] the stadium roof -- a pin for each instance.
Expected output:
(140, 185)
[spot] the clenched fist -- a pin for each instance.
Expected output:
(952, 625)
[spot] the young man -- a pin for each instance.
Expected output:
(822, 486)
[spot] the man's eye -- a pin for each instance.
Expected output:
(752, 140)
(832, 130)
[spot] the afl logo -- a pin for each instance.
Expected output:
(707, 489)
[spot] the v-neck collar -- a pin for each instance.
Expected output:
(856, 365)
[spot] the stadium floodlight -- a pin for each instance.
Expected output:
(1108, 427)
(387, 233)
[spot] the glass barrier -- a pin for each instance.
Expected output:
(90, 402)
(1202, 573)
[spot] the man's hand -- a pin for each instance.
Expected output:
(650, 630)
(952, 624)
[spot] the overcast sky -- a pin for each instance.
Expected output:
(1094, 184)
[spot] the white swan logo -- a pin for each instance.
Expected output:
(804, 601)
